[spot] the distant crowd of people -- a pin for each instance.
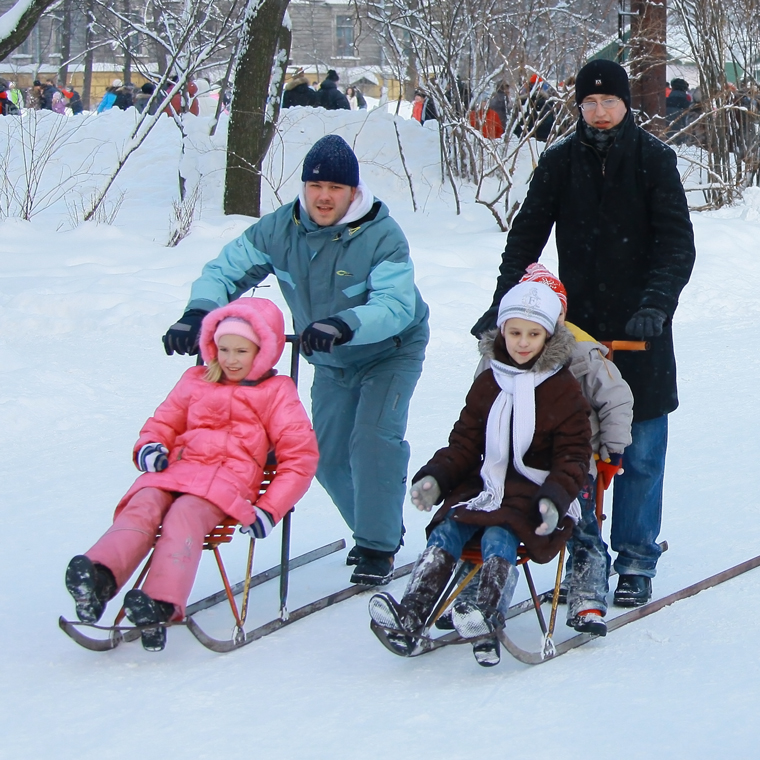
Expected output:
(49, 96)
(300, 92)
(125, 95)
(39, 96)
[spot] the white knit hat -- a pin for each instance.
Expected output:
(533, 301)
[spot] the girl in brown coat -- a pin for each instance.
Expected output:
(516, 461)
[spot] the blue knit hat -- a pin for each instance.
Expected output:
(331, 160)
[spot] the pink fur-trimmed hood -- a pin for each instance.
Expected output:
(267, 322)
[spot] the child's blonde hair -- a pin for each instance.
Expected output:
(213, 372)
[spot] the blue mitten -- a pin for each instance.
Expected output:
(261, 527)
(153, 457)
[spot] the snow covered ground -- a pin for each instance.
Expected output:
(82, 310)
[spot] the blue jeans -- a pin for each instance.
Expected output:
(359, 415)
(452, 535)
(588, 561)
(637, 500)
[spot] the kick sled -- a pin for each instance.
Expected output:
(109, 637)
(424, 641)
(416, 643)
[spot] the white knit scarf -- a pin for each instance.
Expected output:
(518, 401)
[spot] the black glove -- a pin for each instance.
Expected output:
(486, 322)
(646, 323)
(182, 336)
(323, 335)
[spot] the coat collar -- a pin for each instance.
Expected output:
(304, 222)
(624, 144)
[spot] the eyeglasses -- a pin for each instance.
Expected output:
(607, 104)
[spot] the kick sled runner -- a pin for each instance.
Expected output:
(423, 641)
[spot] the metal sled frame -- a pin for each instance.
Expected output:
(426, 643)
(223, 534)
(460, 580)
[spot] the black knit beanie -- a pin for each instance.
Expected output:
(602, 77)
(331, 160)
(332, 75)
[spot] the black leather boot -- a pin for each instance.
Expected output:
(633, 591)
(429, 577)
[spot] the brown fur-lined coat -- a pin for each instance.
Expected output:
(561, 445)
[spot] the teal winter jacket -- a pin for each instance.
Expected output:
(360, 272)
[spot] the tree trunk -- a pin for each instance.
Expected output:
(259, 74)
(649, 57)
(159, 51)
(88, 57)
(126, 74)
(63, 71)
(19, 22)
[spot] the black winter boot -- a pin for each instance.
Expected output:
(429, 578)
(407, 617)
(353, 556)
(482, 618)
(589, 621)
(468, 594)
(92, 586)
(373, 567)
(142, 610)
(633, 591)
(386, 612)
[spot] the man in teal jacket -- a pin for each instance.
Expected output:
(344, 269)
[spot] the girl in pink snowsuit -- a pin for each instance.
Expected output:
(203, 454)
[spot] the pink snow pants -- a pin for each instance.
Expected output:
(186, 521)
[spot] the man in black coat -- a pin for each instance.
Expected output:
(626, 250)
(299, 93)
(330, 97)
(676, 106)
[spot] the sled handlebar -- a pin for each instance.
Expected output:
(625, 345)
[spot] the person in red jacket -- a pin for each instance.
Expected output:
(183, 100)
(202, 455)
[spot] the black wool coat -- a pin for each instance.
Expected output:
(625, 242)
(300, 95)
(331, 98)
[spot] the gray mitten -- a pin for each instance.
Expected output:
(425, 493)
(551, 517)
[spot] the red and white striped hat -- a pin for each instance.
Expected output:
(539, 273)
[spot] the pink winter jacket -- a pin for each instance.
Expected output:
(219, 434)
